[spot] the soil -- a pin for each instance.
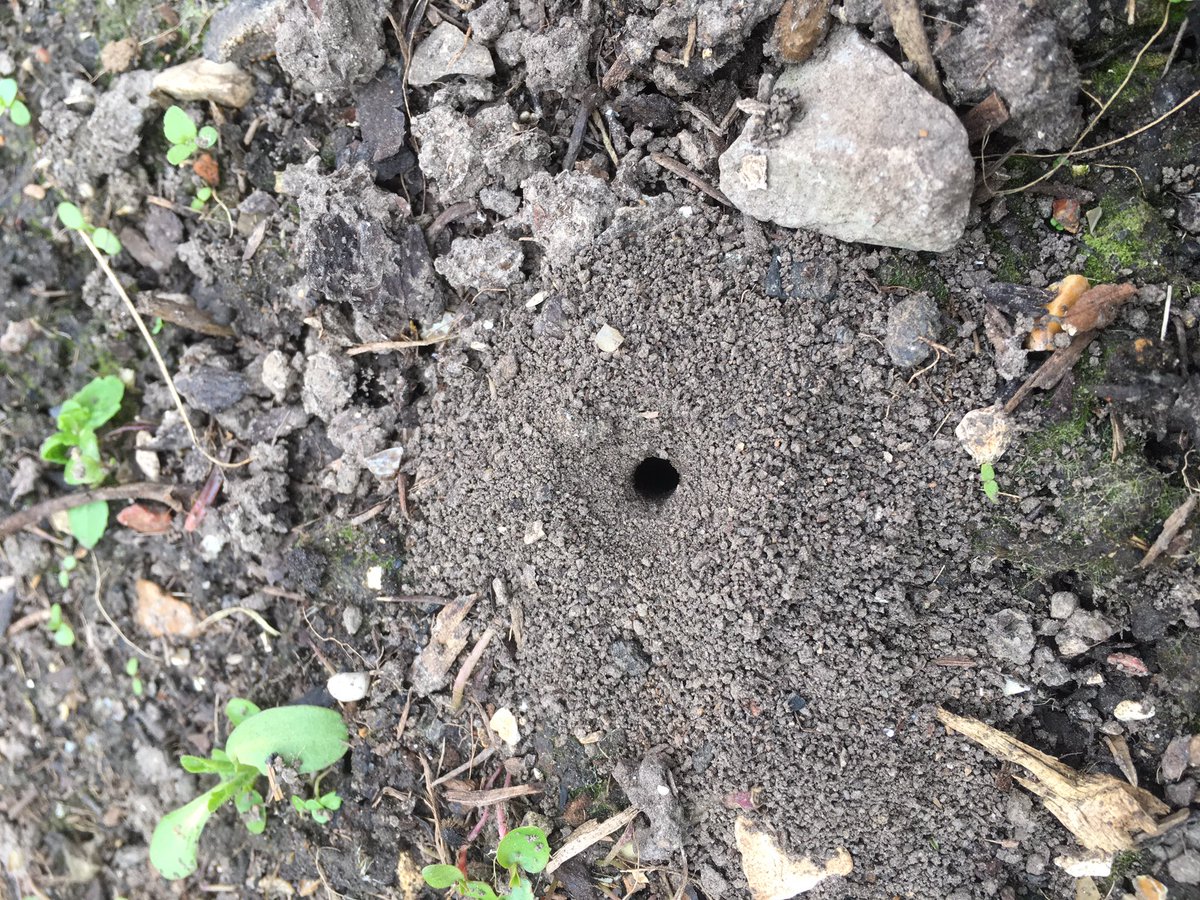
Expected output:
(746, 545)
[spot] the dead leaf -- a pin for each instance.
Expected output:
(1119, 748)
(1170, 528)
(1128, 664)
(1175, 759)
(1147, 888)
(145, 520)
(1104, 813)
(772, 874)
(206, 167)
(587, 834)
(1064, 211)
(984, 117)
(161, 615)
(576, 812)
(447, 638)
(1097, 308)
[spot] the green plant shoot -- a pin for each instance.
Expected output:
(17, 111)
(308, 738)
(76, 447)
(183, 136)
(135, 683)
(522, 851)
(203, 195)
(73, 219)
(988, 476)
(64, 635)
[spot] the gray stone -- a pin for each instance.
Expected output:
(1181, 794)
(381, 115)
(243, 31)
(103, 143)
(333, 45)
(567, 212)
(328, 385)
(868, 155)
(358, 245)
(1062, 604)
(629, 658)
(646, 785)
(489, 262)
(1188, 214)
(1083, 630)
(1010, 636)
(1015, 49)
(556, 59)
(912, 323)
(210, 389)
(352, 619)
(1185, 868)
(506, 203)
(446, 52)
(488, 20)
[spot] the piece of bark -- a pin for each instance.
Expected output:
(141, 490)
(448, 638)
(1097, 308)
(1052, 370)
(178, 310)
(1170, 528)
(589, 833)
(984, 117)
(1104, 813)
(905, 16)
(800, 28)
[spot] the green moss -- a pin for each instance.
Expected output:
(915, 275)
(1137, 93)
(1129, 235)
(1126, 863)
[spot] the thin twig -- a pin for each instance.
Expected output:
(229, 611)
(674, 165)
(139, 490)
(389, 346)
(468, 666)
(454, 773)
(149, 339)
(108, 618)
(487, 798)
(437, 818)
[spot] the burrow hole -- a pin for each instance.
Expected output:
(655, 479)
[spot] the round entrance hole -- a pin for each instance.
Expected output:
(655, 479)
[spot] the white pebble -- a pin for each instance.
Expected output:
(608, 339)
(504, 723)
(346, 687)
(1133, 711)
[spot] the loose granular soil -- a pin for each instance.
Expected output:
(775, 620)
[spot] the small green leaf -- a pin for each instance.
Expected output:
(521, 890)
(312, 804)
(178, 126)
(478, 890)
(992, 490)
(55, 616)
(526, 847)
(101, 397)
(332, 800)
(987, 473)
(20, 113)
(298, 804)
(204, 194)
(197, 204)
(242, 802)
(68, 564)
(198, 765)
(238, 710)
(207, 137)
(310, 737)
(131, 667)
(180, 152)
(64, 636)
(257, 825)
(64, 579)
(56, 448)
(88, 522)
(176, 838)
(70, 216)
(442, 876)
(106, 241)
(157, 326)
(320, 816)
(8, 91)
(136, 687)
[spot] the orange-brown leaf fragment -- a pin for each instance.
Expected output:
(1065, 212)
(800, 28)
(1068, 291)
(145, 520)
(161, 615)
(206, 167)
(1097, 308)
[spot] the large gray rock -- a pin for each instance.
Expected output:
(868, 155)
(333, 45)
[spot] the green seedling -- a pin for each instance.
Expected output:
(184, 138)
(522, 851)
(64, 635)
(305, 738)
(203, 195)
(135, 683)
(988, 476)
(71, 217)
(17, 111)
(318, 807)
(76, 447)
(66, 566)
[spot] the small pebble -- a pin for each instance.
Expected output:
(352, 619)
(347, 687)
(386, 463)
(1062, 604)
(1133, 711)
(504, 723)
(608, 339)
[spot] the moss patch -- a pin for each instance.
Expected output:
(915, 275)
(1129, 235)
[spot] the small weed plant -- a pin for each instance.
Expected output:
(183, 136)
(72, 218)
(135, 683)
(203, 195)
(307, 739)
(522, 852)
(16, 110)
(990, 488)
(76, 447)
(63, 634)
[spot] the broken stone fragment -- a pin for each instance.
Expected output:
(84, 150)
(645, 784)
(985, 433)
(447, 51)
(556, 59)
(1010, 636)
(333, 45)
(201, 79)
(868, 154)
(210, 389)
(1083, 630)
(567, 212)
(912, 324)
(487, 263)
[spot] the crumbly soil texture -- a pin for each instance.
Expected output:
(730, 567)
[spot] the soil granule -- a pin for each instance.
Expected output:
(773, 620)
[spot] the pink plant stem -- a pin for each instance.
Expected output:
(479, 826)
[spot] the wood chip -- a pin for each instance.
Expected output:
(178, 309)
(909, 27)
(488, 798)
(985, 117)
(1052, 370)
(589, 833)
(1175, 521)
(1119, 748)
(800, 28)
